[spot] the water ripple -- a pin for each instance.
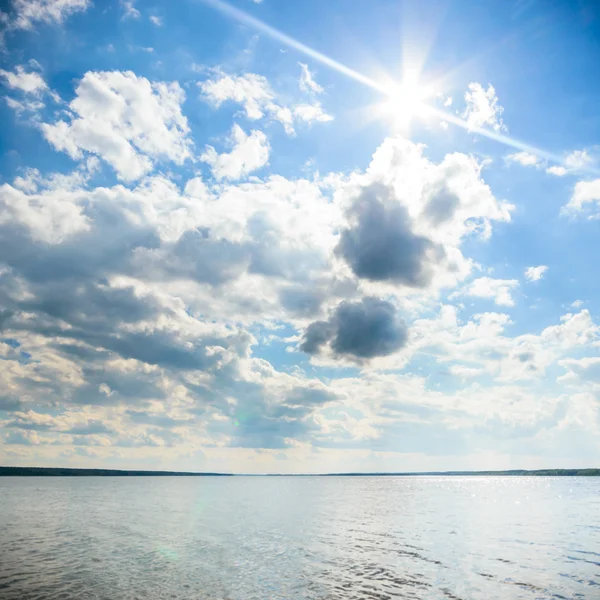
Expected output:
(305, 538)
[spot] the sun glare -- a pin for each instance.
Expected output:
(407, 101)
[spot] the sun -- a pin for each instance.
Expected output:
(407, 101)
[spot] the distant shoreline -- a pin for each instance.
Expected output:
(69, 472)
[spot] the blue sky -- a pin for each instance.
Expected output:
(300, 237)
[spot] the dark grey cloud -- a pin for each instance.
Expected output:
(301, 301)
(198, 256)
(10, 403)
(380, 244)
(441, 206)
(361, 330)
(316, 335)
(310, 396)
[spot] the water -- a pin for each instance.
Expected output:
(262, 538)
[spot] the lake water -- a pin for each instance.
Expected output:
(242, 538)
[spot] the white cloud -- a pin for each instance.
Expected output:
(497, 289)
(557, 170)
(577, 304)
(578, 159)
(259, 100)
(29, 83)
(156, 20)
(310, 113)
(482, 108)
(28, 12)
(249, 153)
(407, 219)
(252, 91)
(129, 9)
(126, 120)
(134, 309)
(573, 162)
(51, 215)
(535, 273)
(307, 81)
(524, 158)
(26, 106)
(466, 372)
(448, 101)
(586, 197)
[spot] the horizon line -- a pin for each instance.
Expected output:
(163, 473)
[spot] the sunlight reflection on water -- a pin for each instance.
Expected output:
(283, 537)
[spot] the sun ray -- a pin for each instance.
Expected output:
(382, 87)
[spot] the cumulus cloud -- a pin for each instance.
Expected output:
(573, 162)
(499, 290)
(557, 170)
(535, 273)
(128, 311)
(578, 159)
(482, 108)
(585, 199)
(525, 159)
(311, 113)
(249, 153)
(359, 330)
(28, 82)
(29, 12)
(126, 120)
(407, 217)
(255, 94)
(380, 243)
(156, 20)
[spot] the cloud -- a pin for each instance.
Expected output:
(252, 91)
(138, 311)
(407, 217)
(359, 330)
(25, 438)
(380, 243)
(27, 82)
(126, 120)
(578, 159)
(482, 108)
(535, 273)
(129, 9)
(249, 153)
(500, 290)
(156, 20)
(581, 370)
(311, 113)
(300, 301)
(557, 170)
(585, 199)
(28, 12)
(575, 161)
(307, 82)
(525, 159)
(255, 94)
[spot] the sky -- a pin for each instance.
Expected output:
(300, 237)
